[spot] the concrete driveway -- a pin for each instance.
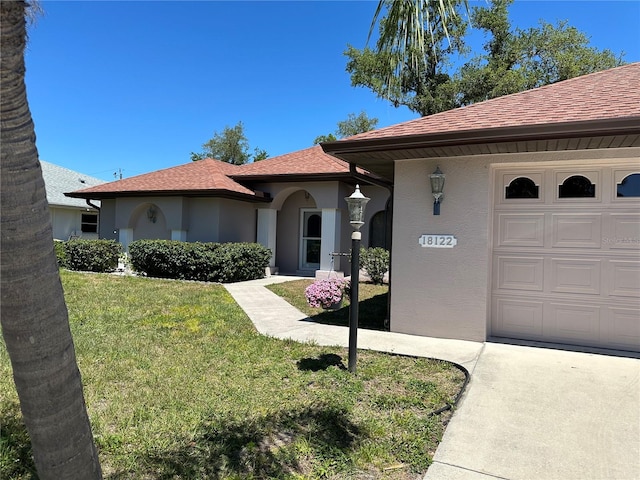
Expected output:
(544, 414)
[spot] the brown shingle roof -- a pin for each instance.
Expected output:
(310, 161)
(201, 176)
(213, 177)
(613, 93)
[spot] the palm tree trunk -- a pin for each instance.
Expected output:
(35, 323)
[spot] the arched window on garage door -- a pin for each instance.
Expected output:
(577, 186)
(629, 187)
(522, 187)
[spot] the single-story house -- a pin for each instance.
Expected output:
(538, 234)
(70, 217)
(293, 204)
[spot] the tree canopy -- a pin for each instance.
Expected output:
(515, 60)
(351, 126)
(230, 146)
(424, 86)
(512, 60)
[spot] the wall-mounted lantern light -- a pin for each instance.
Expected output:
(152, 214)
(356, 203)
(437, 186)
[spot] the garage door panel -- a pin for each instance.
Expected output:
(577, 230)
(575, 276)
(625, 278)
(572, 322)
(520, 316)
(625, 327)
(521, 230)
(625, 232)
(567, 269)
(520, 273)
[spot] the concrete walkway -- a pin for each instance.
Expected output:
(528, 413)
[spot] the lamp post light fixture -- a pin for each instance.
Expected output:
(356, 203)
(437, 185)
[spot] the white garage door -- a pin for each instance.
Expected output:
(566, 254)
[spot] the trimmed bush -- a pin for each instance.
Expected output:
(375, 261)
(61, 254)
(243, 261)
(209, 262)
(92, 255)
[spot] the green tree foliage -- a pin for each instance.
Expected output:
(516, 60)
(424, 86)
(325, 138)
(351, 126)
(513, 60)
(259, 154)
(230, 146)
(356, 124)
(404, 29)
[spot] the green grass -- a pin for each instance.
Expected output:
(372, 310)
(179, 385)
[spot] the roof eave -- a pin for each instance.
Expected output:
(602, 127)
(294, 177)
(171, 193)
(309, 177)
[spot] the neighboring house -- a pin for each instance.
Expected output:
(542, 195)
(293, 204)
(70, 217)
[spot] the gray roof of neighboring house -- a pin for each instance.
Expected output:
(58, 180)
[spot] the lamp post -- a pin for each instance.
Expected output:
(356, 203)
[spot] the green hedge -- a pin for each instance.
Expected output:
(61, 254)
(90, 255)
(375, 261)
(210, 262)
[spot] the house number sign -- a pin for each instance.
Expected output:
(438, 241)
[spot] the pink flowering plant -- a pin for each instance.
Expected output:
(325, 293)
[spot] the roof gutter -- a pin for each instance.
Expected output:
(313, 177)
(590, 128)
(92, 205)
(173, 193)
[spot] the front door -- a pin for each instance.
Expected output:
(311, 229)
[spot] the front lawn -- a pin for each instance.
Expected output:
(179, 385)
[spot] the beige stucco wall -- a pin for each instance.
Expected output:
(444, 292)
(203, 219)
(107, 226)
(204, 214)
(237, 221)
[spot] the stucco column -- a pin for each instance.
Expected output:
(266, 232)
(180, 235)
(330, 238)
(125, 238)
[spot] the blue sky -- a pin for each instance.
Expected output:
(137, 86)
